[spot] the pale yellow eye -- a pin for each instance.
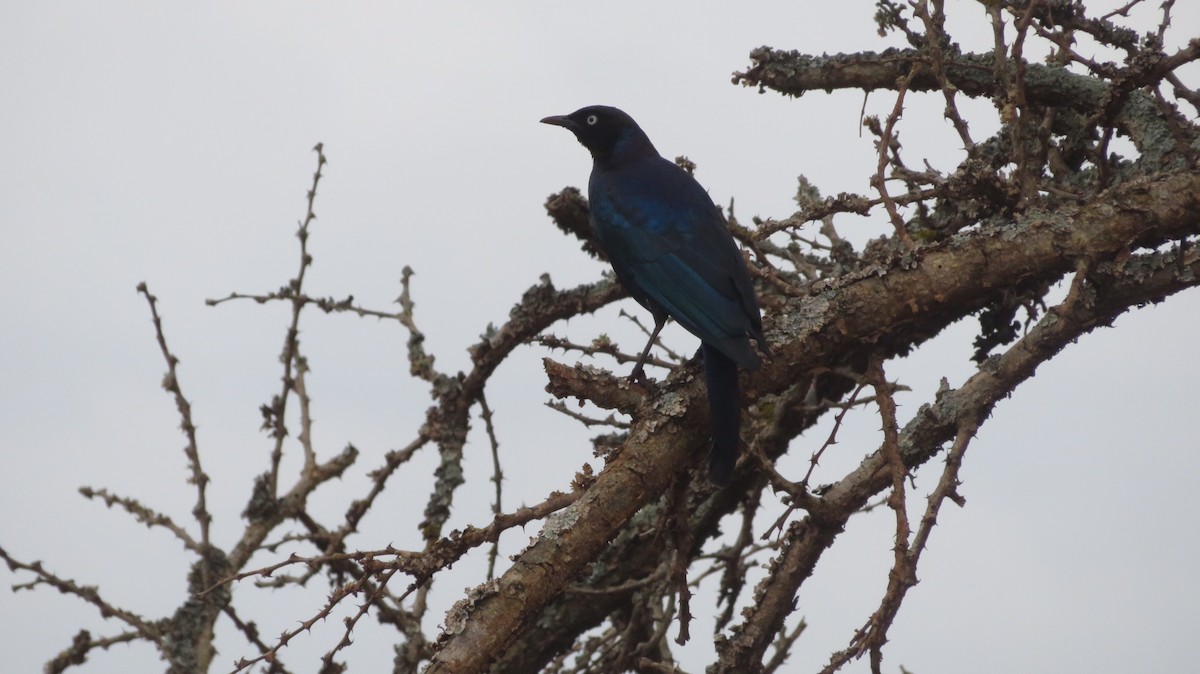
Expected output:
(592, 119)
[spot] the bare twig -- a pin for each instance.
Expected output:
(144, 629)
(485, 413)
(191, 450)
(887, 149)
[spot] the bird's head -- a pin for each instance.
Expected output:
(607, 132)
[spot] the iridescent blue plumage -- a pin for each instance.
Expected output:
(670, 248)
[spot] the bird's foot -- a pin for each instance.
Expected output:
(638, 376)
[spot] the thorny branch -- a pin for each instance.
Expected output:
(1043, 200)
(190, 450)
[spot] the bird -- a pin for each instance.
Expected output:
(671, 250)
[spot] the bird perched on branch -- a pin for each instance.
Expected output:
(671, 250)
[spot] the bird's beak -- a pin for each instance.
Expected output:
(559, 120)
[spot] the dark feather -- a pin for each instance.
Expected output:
(669, 246)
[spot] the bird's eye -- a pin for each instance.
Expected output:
(592, 119)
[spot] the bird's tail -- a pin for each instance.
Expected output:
(725, 411)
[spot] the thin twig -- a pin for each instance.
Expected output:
(886, 153)
(191, 450)
(485, 412)
(145, 629)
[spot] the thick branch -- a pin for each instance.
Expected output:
(895, 307)
(793, 73)
(1094, 302)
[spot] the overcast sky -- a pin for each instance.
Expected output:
(171, 143)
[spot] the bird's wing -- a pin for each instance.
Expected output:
(665, 236)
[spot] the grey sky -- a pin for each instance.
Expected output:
(171, 143)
